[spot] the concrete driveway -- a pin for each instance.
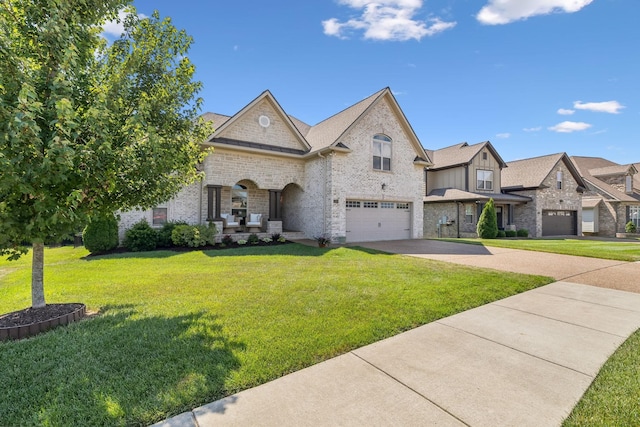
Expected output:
(567, 268)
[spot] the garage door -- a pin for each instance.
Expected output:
(369, 220)
(559, 223)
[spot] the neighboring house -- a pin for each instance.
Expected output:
(461, 181)
(356, 176)
(613, 196)
(554, 186)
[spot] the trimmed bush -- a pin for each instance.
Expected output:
(140, 237)
(510, 233)
(164, 234)
(630, 227)
(194, 236)
(501, 234)
(227, 240)
(253, 239)
(101, 234)
(523, 232)
(487, 227)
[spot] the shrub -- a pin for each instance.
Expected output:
(276, 237)
(630, 227)
(193, 236)
(164, 234)
(267, 239)
(140, 237)
(487, 227)
(523, 232)
(282, 239)
(242, 242)
(227, 240)
(101, 234)
(253, 239)
(501, 234)
(510, 233)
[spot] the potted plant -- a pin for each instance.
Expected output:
(323, 240)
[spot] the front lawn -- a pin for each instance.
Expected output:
(606, 249)
(178, 330)
(613, 397)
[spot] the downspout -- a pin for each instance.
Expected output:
(200, 201)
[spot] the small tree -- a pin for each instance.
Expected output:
(487, 227)
(87, 128)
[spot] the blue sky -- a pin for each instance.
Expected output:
(534, 77)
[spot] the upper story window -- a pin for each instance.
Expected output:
(628, 185)
(484, 180)
(382, 152)
(559, 180)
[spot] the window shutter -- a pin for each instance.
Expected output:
(628, 214)
(480, 207)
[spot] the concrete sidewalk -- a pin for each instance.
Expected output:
(525, 360)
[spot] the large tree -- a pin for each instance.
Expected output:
(88, 127)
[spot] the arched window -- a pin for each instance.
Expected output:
(239, 201)
(381, 152)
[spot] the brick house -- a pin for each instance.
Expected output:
(612, 198)
(555, 188)
(460, 182)
(356, 176)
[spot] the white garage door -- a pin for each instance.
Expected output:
(369, 220)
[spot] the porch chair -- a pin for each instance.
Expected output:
(254, 223)
(230, 223)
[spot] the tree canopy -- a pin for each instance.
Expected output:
(88, 127)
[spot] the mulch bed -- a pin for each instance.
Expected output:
(32, 315)
(122, 250)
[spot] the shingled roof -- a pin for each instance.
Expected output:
(447, 195)
(531, 173)
(588, 165)
(328, 133)
(461, 154)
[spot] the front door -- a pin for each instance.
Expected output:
(499, 217)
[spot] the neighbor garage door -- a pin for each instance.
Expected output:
(559, 223)
(369, 220)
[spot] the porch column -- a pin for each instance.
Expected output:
(510, 218)
(214, 191)
(275, 208)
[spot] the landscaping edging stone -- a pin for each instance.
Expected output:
(25, 331)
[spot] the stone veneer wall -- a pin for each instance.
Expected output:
(529, 216)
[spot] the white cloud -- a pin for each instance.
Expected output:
(498, 12)
(535, 129)
(386, 20)
(565, 111)
(115, 28)
(612, 107)
(568, 127)
(503, 135)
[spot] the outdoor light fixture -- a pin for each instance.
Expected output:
(384, 186)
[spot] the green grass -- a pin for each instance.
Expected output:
(178, 330)
(619, 251)
(612, 399)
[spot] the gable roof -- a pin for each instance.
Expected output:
(614, 170)
(264, 96)
(599, 165)
(325, 135)
(532, 172)
(461, 154)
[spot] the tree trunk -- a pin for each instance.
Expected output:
(37, 276)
